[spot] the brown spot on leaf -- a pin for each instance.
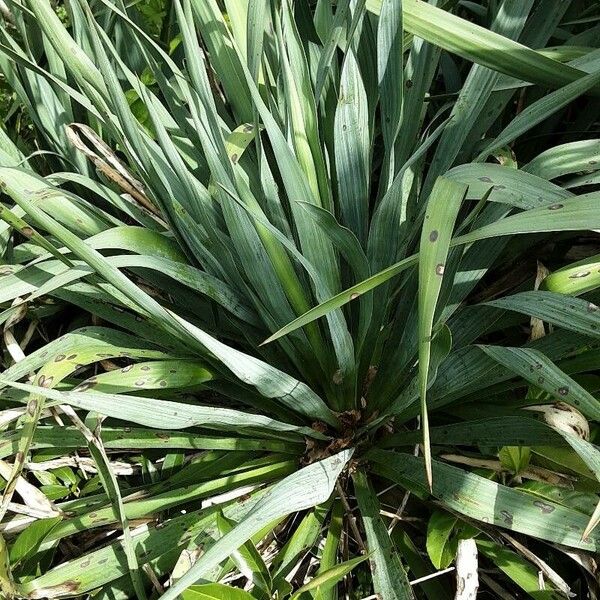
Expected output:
(62, 589)
(433, 236)
(544, 506)
(439, 269)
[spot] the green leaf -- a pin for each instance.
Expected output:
(514, 458)
(441, 547)
(523, 573)
(575, 279)
(442, 209)
(247, 558)
(147, 376)
(493, 431)
(161, 414)
(489, 502)
(540, 371)
(352, 149)
(304, 489)
(565, 159)
(390, 580)
(541, 110)
(29, 540)
(106, 564)
(482, 46)
(304, 538)
(327, 579)
(569, 215)
(330, 549)
(215, 591)
(391, 80)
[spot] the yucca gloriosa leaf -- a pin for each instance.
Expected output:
(190, 200)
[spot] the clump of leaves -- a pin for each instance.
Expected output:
(312, 350)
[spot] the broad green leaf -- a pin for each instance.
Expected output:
(565, 159)
(257, 20)
(442, 209)
(161, 414)
(575, 279)
(523, 573)
(483, 47)
(352, 149)
(215, 591)
(493, 431)
(304, 489)
(489, 502)
(514, 458)
(29, 540)
(569, 215)
(390, 580)
(247, 559)
(541, 372)
(330, 549)
(391, 80)
(439, 545)
(509, 186)
(129, 438)
(540, 110)
(106, 564)
(148, 375)
(574, 314)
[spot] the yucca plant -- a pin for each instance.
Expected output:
(274, 325)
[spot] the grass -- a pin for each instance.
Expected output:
(299, 300)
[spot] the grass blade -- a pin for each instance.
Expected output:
(304, 489)
(442, 209)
